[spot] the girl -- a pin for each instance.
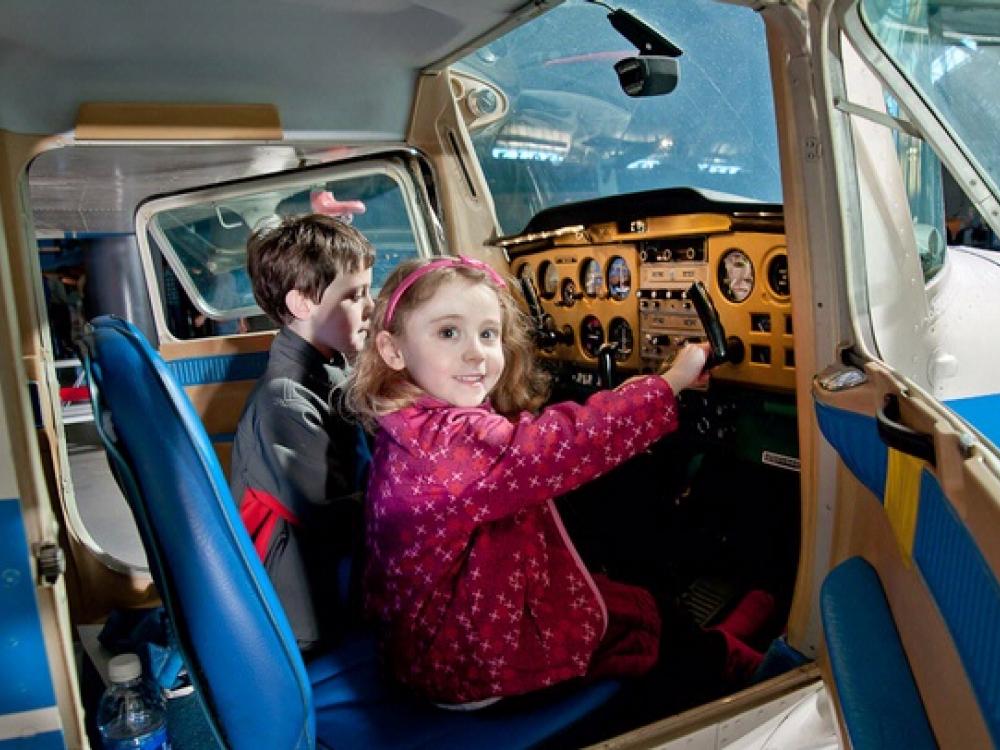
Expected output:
(479, 591)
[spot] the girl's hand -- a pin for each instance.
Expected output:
(688, 368)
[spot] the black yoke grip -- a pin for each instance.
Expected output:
(709, 317)
(531, 298)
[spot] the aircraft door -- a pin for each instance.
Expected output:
(912, 412)
(917, 500)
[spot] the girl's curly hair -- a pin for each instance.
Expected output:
(375, 389)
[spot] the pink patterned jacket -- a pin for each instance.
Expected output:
(477, 587)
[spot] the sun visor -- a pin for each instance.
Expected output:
(103, 121)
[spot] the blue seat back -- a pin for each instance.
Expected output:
(234, 635)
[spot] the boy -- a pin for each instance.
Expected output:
(297, 464)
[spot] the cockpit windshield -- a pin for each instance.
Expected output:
(567, 132)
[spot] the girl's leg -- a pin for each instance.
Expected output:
(698, 665)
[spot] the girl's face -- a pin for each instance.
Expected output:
(450, 344)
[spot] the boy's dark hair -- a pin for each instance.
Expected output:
(304, 253)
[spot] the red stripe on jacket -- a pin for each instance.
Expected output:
(260, 512)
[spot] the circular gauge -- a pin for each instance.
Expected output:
(736, 275)
(568, 293)
(620, 332)
(548, 275)
(619, 278)
(591, 335)
(777, 275)
(590, 277)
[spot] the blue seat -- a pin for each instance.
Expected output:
(236, 641)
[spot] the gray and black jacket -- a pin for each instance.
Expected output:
(297, 469)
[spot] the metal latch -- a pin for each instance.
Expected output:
(841, 378)
(50, 561)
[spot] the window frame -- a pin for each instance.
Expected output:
(924, 117)
(399, 165)
(915, 355)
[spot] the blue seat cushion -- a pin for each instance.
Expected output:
(357, 707)
(878, 695)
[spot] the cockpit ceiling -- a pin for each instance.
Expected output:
(328, 65)
(95, 189)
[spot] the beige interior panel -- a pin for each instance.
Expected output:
(437, 129)
(247, 343)
(220, 404)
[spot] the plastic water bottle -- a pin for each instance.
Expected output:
(131, 715)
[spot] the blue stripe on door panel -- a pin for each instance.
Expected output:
(966, 592)
(46, 741)
(221, 368)
(25, 683)
(855, 438)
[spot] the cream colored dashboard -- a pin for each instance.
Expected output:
(600, 284)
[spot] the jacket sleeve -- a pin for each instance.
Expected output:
(525, 463)
(311, 456)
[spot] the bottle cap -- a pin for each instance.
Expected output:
(124, 667)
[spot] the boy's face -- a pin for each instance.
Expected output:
(339, 321)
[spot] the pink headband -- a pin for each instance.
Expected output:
(417, 273)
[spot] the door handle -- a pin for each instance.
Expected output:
(897, 435)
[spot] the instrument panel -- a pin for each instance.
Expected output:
(590, 292)
(628, 287)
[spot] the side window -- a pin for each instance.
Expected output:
(198, 241)
(185, 320)
(927, 291)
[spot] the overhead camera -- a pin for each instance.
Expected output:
(655, 70)
(648, 75)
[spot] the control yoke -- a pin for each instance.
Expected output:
(544, 336)
(607, 371)
(722, 349)
(531, 298)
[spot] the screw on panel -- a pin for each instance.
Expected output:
(965, 443)
(814, 149)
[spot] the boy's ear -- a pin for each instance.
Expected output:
(389, 351)
(298, 304)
